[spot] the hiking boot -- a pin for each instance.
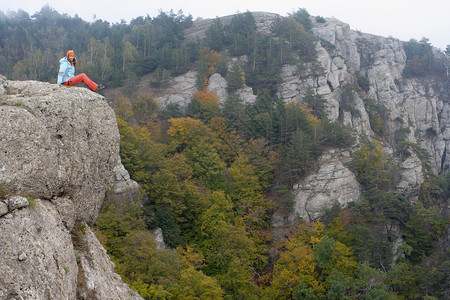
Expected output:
(100, 87)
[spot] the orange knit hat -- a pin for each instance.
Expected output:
(70, 53)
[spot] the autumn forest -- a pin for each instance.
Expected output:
(211, 176)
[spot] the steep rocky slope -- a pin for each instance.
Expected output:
(59, 155)
(59, 152)
(417, 107)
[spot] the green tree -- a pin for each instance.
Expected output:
(227, 248)
(422, 229)
(303, 17)
(215, 35)
(240, 32)
(246, 192)
(145, 109)
(315, 102)
(297, 156)
(303, 292)
(324, 251)
(141, 155)
(420, 58)
(293, 32)
(206, 164)
(339, 285)
(193, 284)
(370, 164)
(405, 280)
(377, 115)
(97, 60)
(236, 78)
(129, 58)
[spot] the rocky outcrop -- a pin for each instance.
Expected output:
(122, 183)
(411, 177)
(416, 108)
(182, 88)
(218, 84)
(37, 256)
(159, 239)
(58, 149)
(331, 182)
(58, 142)
(418, 104)
(96, 277)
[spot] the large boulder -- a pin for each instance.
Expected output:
(36, 255)
(180, 91)
(331, 183)
(58, 142)
(59, 154)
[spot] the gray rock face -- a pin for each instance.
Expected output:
(427, 110)
(182, 88)
(3, 208)
(295, 83)
(97, 277)
(411, 177)
(340, 35)
(159, 238)
(344, 54)
(332, 182)
(180, 91)
(122, 181)
(58, 142)
(59, 145)
(218, 84)
(245, 93)
(17, 202)
(422, 105)
(37, 257)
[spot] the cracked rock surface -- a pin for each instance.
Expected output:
(59, 152)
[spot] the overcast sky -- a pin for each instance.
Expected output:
(402, 19)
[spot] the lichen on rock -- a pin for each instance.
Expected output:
(61, 146)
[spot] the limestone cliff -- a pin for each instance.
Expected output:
(59, 152)
(418, 107)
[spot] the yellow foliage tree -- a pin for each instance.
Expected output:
(140, 153)
(186, 131)
(246, 192)
(123, 108)
(190, 257)
(207, 65)
(297, 262)
(194, 285)
(292, 267)
(229, 143)
(205, 105)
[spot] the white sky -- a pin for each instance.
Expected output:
(402, 19)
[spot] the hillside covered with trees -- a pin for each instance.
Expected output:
(212, 175)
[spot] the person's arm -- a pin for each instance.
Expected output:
(62, 71)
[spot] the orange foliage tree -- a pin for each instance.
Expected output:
(207, 65)
(204, 105)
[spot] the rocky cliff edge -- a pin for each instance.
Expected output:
(59, 149)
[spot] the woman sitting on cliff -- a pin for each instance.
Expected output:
(67, 76)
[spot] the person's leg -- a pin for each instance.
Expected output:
(82, 78)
